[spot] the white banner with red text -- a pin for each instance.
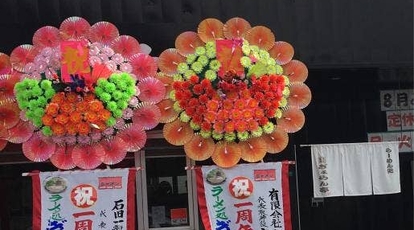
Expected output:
(78, 200)
(247, 196)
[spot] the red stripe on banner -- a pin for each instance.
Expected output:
(286, 197)
(37, 203)
(131, 199)
(202, 203)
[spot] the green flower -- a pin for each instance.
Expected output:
(98, 91)
(287, 81)
(191, 58)
(178, 77)
(246, 49)
(286, 91)
(130, 91)
(211, 53)
(111, 121)
(182, 67)
(230, 137)
(257, 133)
(246, 61)
(205, 134)
(268, 128)
(105, 97)
(203, 60)
(117, 95)
(111, 106)
(184, 117)
(215, 65)
(278, 113)
(210, 45)
(193, 125)
(37, 91)
(217, 136)
(264, 54)
(37, 121)
(255, 49)
(47, 131)
(30, 114)
(210, 75)
(200, 51)
(42, 101)
(176, 107)
(197, 67)
(122, 85)
(39, 112)
(49, 93)
(279, 69)
(283, 102)
(189, 73)
(109, 87)
(102, 81)
(46, 84)
(243, 136)
(33, 104)
(117, 113)
(122, 104)
(271, 69)
(271, 61)
(172, 95)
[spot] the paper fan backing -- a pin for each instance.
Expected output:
(231, 89)
(78, 91)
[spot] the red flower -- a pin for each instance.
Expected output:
(190, 111)
(236, 114)
(263, 121)
(206, 126)
(245, 94)
(259, 96)
(227, 104)
(270, 112)
(198, 118)
(229, 127)
(218, 127)
(253, 125)
(239, 104)
(247, 114)
(213, 105)
(210, 116)
(177, 85)
(203, 99)
(198, 89)
(206, 84)
(223, 115)
(194, 79)
(193, 102)
(253, 103)
(241, 126)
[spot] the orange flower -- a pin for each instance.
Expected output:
(247, 114)
(206, 126)
(89, 97)
(229, 127)
(253, 103)
(236, 114)
(241, 126)
(259, 113)
(71, 128)
(95, 105)
(228, 104)
(232, 95)
(75, 117)
(218, 127)
(58, 97)
(47, 120)
(58, 129)
(104, 115)
(239, 104)
(223, 115)
(62, 119)
(83, 128)
(212, 105)
(263, 120)
(66, 107)
(253, 125)
(72, 97)
(52, 109)
(210, 116)
(82, 106)
(91, 117)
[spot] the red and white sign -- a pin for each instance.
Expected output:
(400, 120)
(247, 196)
(84, 200)
(405, 138)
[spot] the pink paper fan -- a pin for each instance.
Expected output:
(296, 71)
(151, 90)
(5, 65)
(74, 28)
(9, 114)
(115, 151)
(38, 149)
(147, 116)
(47, 36)
(4, 133)
(88, 156)
(22, 55)
(187, 42)
(168, 114)
(21, 132)
(169, 60)
(300, 95)
(235, 28)
(126, 45)
(3, 144)
(134, 137)
(7, 83)
(62, 159)
(143, 66)
(282, 52)
(292, 120)
(103, 32)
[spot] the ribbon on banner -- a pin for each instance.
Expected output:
(247, 196)
(98, 199)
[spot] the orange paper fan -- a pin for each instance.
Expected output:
(235, 28)
(22, 55)
(282, 52)
(134, 137)
(143, 66)
(210, 29)
(300, 95)
(47, 36)
(74, 28)
(88, 156)
(62, 159)
(178, 132)
(103, 32)
(21, 132)
(115, 150)
(38, 149)
(7, 83)
(226, 154)
(126, 45)
(151, 90)
(167, 80)
(5, 65)
(260, 36)
(277, 141)
(168, 113)
(296, 71)
(169, 60)
(3, 144)
(9, 114)
(187, 42)
(147, 116)
(199, 148)
(253, 149)
(292, 120)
